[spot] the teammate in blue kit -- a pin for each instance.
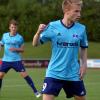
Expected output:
(14, 45)
(67, 37)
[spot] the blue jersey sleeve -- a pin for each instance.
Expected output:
(84, 41)
(21, 41)
(2, 40)
(46, 34)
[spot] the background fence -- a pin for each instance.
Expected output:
(43, 63)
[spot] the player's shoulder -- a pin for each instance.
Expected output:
(6, 34)
(80, 25)
(19, 35)
(54, 23)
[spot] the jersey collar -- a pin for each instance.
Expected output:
(66, 26)
(12, 35)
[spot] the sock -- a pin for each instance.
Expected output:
(30, 82)
(0, 83)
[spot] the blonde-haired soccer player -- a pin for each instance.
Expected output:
(67, 37)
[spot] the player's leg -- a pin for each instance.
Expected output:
(79, 98)
(30, 83)
(48, 97)
(1, 77)
(51, 88)
(75, 89)
(81, 92)
(4, 68)
(18, 66)
(28, 80)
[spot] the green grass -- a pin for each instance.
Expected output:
(15, 88)
(92, 82)
(94, 50)
(44, 51)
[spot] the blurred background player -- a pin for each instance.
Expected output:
(67, 37)
(14, 45)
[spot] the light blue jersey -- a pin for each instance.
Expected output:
(11, 42)
(65, 48)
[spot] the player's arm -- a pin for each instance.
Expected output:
(21, 49)
(0, 46)
(1, 43)
(36, 37)
(83, 58)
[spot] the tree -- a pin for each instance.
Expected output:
(4, 2)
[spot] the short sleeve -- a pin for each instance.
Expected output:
(84, 40)
(46, 35)
(2, 40)
(21, 41)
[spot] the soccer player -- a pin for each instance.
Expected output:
(68, 38)
(14, 45)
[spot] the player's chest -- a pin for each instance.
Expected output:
(11, 40)
(67, 35)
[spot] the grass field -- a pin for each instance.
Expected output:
(15, 88)
(44, 51)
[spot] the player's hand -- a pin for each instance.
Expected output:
(82, 71)
(41, 28)
(12, 49)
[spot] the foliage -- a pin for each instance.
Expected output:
(91, 17)
(30, 13)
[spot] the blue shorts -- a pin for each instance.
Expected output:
(53, 87)
(16, 65)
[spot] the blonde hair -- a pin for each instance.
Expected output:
(66, 4)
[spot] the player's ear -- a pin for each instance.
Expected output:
(66, 10)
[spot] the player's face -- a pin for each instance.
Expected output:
(74, 13)
(13, 29)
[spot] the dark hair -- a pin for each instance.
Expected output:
(14, 22)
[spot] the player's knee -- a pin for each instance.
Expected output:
(23, 74)
(1, 75)
(48, 97)
(79, 97)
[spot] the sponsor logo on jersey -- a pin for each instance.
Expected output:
(66, 44)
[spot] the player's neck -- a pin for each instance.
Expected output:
(67, 22)
(12, 34)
